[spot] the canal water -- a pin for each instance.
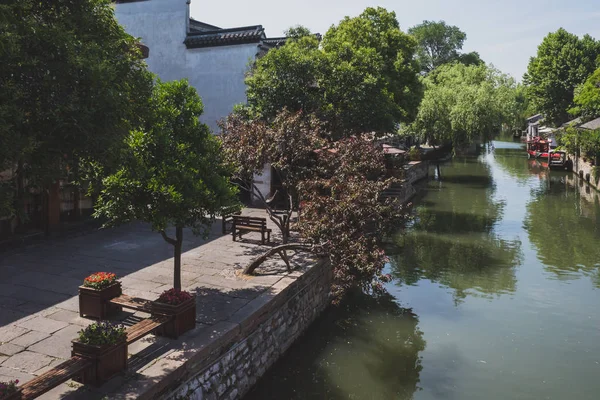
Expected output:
(496, 295)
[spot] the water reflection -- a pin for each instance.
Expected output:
(514, 162)
(563, 222)
(365, 348)
(451, 240)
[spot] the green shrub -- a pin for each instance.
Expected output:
(102, 333)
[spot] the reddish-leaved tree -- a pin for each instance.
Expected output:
(338, 186)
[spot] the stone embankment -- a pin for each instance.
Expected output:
(585, 171)
(229, 366)
(404, 191)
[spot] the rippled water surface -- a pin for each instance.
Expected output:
(496, 295)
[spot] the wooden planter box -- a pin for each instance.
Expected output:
(107, 361)
(184, 317)
(96, 303)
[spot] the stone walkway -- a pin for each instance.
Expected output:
(38, 293)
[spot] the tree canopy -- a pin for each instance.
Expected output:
(172, 171)
(464, 103)
(337, 185)
(563, 62)
(72, 83)
(440, 43)
(362, 79)
(587, 97)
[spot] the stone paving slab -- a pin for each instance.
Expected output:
(39, 309)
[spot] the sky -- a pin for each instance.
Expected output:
(506, 33)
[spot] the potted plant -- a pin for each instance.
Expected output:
(105, 344)
(9, 390)
(179, 304)
(95, 295)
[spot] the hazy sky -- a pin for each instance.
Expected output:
(504, 32)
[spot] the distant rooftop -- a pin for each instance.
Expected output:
(573, 122)
(199, 26)
(591, 125)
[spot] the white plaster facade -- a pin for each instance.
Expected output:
(217, 72)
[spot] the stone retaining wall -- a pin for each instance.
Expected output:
(234, 363)
(417, 170)
(583, 169)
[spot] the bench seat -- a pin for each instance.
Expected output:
(132, 303)
(144, 327)
(242, 224)
(57, 375)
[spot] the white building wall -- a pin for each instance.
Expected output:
(217, 73)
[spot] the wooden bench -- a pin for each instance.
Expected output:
(250, 224)
(132, 303)
(57, 375)
(144, 327)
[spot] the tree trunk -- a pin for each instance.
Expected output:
(285, 228)
(177, 251)
(276, 250)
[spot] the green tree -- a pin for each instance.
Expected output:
(563, 62)
(373, 77)
(439, 44)
(362, 79)
(471, 58)
(72, 84)
(465, 103)
(287, 77)
(587, 97)
(172, 171)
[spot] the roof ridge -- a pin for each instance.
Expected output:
(236, 29)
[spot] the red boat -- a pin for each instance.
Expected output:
(540, 148)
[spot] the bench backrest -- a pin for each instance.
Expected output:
(249, 221)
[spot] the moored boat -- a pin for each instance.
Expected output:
(560, 160)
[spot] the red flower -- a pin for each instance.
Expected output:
(174, 297)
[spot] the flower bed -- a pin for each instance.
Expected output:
(95, 295)
(106, 345)
(9, 390)
(181, 306)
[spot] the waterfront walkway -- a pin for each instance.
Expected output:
(39, 306)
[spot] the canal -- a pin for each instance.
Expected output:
(496, 295)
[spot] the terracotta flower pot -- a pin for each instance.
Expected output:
(94, 303)
(184, 317)
(108, 361)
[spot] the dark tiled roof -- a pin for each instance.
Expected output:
(280, 41)
(277, 41)
(534, 117)
(224, 37)
(592, 125)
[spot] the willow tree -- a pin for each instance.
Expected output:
(463, 104)
(172, 171)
